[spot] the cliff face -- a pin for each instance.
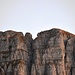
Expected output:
(52, 52)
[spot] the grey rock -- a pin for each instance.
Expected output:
(13, 54)
(52, 52)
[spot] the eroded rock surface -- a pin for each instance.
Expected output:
(52, 52)
(14, 57)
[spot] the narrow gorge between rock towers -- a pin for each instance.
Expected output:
(52, 52)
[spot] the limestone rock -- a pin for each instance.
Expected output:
(52, 52)
(13, 54)
(28, 42)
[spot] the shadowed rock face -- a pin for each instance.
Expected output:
(52, 52)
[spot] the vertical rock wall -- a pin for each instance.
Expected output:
(52, 52)
(14, 57)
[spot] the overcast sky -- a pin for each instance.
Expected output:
(37, 15)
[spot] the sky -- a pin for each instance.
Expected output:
(37, 15)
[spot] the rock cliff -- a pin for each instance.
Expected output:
(52, 52)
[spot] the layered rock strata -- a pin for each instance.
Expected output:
(52, 52)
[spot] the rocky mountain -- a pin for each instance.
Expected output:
(52, 52)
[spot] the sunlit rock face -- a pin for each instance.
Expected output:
(52, 52)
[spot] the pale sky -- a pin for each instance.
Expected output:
(37, 15)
